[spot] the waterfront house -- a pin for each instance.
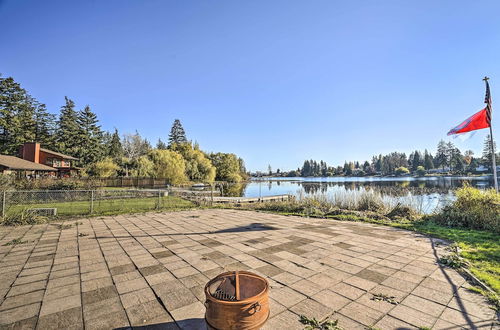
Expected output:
(64, 164)
(24, 168)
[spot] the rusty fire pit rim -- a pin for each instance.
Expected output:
(237, 302)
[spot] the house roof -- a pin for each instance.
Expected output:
(58, 154)
(16, 163)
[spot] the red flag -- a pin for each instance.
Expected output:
(477, 121)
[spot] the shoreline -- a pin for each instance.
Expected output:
(484, 177)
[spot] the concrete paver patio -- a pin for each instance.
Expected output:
(149, 270)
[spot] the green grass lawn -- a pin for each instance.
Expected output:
(108, 206)
(480, 248)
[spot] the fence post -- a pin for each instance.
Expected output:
(91, 201)
(212, 187)
(4, 203)
(159, 199)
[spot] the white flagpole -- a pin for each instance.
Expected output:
(493, 156)
(493, 161)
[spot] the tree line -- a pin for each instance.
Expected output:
(103, 154)
(448, 158)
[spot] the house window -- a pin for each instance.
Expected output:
(54, 162)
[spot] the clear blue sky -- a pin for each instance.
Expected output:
(275, 82)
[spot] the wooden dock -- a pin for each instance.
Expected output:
(240, 200)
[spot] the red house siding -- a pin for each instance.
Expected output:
(31, 151)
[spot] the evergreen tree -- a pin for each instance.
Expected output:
(45, 126)
(428, 161)
(348, 167)
(26, 123)
(161, 145)
(306, 169)
(410, 159)
(442, 155)
(488, 152)
(67, 135)
(457, 160)
(90, 148)
(366, 167)
(177, 134)
(17, 116)
(323, 168)
(417, 160)
(115, 148)
(378, 164)
(450, 151)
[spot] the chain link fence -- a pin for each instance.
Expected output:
(113, 200)
(62, 203)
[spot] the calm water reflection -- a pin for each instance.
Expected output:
(428, 192)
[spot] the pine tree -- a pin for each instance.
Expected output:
(177, 134)
(442, 158)
(26, 123)
(45, 126)
(378, 164)
(67, 134)
(457, 162)
(428, 161)
(17, 116)
(115, 149)
(488, 152)
(89, 138)
(306, 169)
(450, 150)
(161, 145)
(417, 160)
(410, 159)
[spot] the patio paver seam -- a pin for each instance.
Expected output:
(108, 268)
(158, 299)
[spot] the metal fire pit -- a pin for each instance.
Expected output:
(237, 300)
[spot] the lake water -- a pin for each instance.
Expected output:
(425, 193)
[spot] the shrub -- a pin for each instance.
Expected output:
(402, 211)
(26, 217)
(473, 208)
(402, 170)
(104, 169)
(6, 182)
(420, 171)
